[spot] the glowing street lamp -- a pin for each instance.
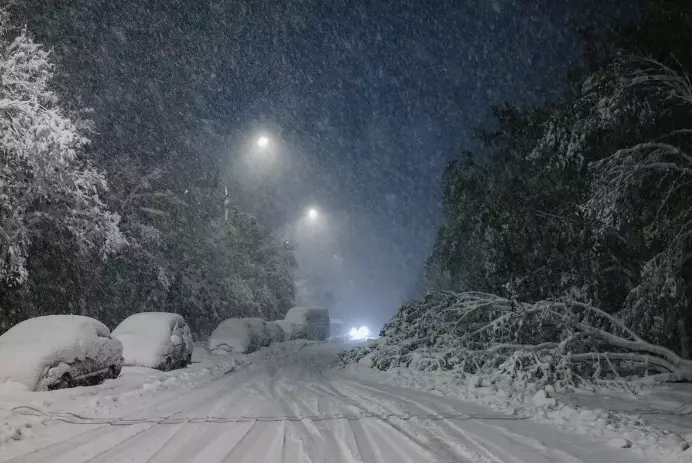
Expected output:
(262, 142)
(312, 214)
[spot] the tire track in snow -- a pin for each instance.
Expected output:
(70, 444)
(418, 436)
(153, 441)
(199, 441)
(479, 446)
(353, 443)
(320, 445)
(505, 447)
(148, 442)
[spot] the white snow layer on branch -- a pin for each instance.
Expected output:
(562, 343)
(45, 180)
(658, 173)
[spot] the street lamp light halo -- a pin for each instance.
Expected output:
(312, 213)
(263, 141)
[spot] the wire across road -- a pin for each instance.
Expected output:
(74, 418)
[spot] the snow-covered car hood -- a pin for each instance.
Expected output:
(30, 349)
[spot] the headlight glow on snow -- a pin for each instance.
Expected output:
(359, 333)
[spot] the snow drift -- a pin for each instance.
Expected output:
(310, 322)
(240, 335)
(155, 340)
(41, 351)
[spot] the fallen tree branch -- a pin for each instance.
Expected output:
(563, 342)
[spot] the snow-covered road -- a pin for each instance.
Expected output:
(288, 405)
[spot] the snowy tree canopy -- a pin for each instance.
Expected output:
(586, 198)
(74, 242)
(48, 185)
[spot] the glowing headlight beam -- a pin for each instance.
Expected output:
(359, 333)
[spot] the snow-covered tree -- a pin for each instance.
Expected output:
(49, 190)
(650, 183)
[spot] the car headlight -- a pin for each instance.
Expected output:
(359, 333)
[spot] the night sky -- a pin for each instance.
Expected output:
(366, 102)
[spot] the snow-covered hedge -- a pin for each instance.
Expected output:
(562, 343)
(313, 321)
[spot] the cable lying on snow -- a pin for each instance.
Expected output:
(73, 418)
(559, 343)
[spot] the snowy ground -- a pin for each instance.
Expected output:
(283, 403)
(653, 422)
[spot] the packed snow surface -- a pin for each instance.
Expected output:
(312, 320)
(242, 335)
(38, 351)
(150, 338)
(281, 404)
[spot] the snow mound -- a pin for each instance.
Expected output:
(313, 321)
(39, 351)
(276, 333)
(155, 340)
(240, 335)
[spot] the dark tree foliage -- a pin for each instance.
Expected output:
(589, 199)
(108, 232)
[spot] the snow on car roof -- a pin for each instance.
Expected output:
(149, 322)
(50, 328)
(301, 314)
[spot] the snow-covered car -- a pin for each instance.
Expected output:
(240, 335)
(59, 351)
(158, 340)
(276, 333)
(291, 331)
(309, 322)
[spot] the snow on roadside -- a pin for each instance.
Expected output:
(631, 425)
(116, 397)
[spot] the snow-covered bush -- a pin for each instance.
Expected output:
(312, 322)
(240, 335)
(562, 343)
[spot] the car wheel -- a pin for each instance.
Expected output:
(113, 372)
(168, 364)
(188, 360)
